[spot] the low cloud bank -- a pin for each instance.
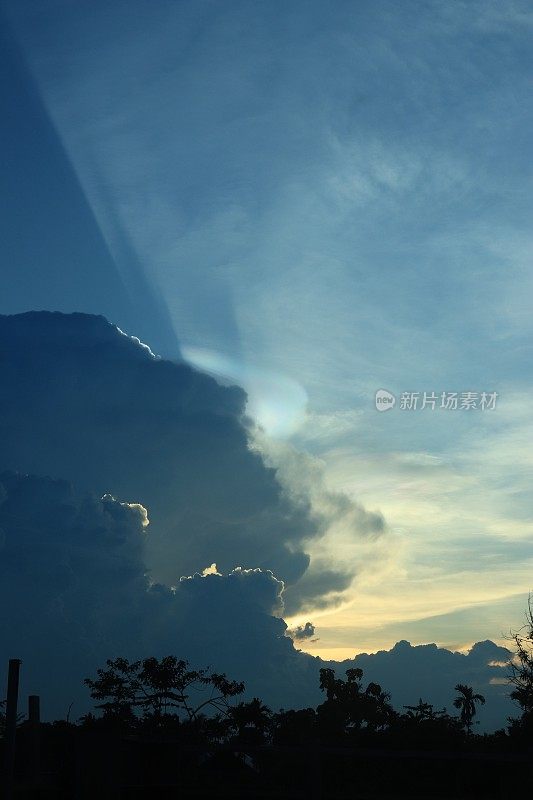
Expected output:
(409, 672)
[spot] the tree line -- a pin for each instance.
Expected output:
(168, 695)
(160, 722)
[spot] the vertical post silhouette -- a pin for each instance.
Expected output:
(34, 719)
(11, 726)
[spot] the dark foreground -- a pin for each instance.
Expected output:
(67, 762)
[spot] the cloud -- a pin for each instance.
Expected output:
(347, 533)
(111, 417)
(72, 579)
(321, 587)
(83, 401)
(254, 588)
(301, 632)
(143, 513)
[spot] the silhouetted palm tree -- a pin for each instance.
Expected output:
(466, 701)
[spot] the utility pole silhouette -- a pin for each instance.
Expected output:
(11, 726)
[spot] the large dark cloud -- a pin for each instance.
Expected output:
(79, 400)
(72, 581)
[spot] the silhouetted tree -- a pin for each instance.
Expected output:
(423, 726)
(295, 727)
(159, 691)
(521, 673)
(423, 711)
(349, 707)
(252, 721)
(466, 702)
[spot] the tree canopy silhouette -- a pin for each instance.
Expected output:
(350, 707)
(157, 689)
(521, 674)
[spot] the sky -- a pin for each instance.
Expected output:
(315, 201)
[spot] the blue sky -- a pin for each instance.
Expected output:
(318, 200)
